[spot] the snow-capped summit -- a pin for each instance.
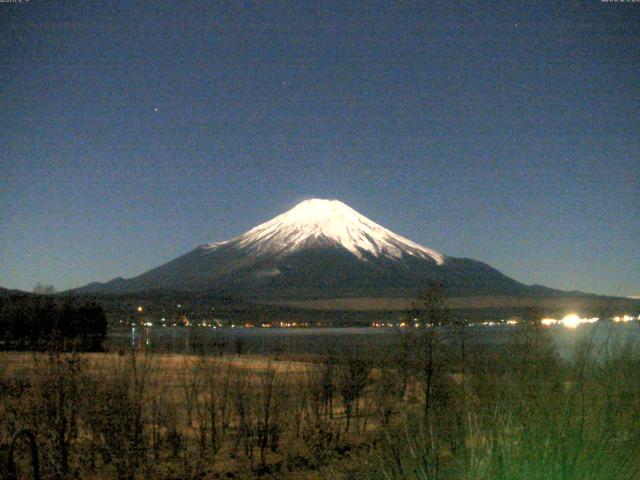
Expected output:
(328, 223)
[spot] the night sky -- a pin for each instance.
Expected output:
(507, 132)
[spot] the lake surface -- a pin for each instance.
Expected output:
(604, 336)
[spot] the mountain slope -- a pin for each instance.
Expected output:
(318, 249)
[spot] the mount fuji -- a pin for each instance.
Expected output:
(320, 249)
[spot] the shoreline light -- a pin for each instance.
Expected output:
(624, 318)
(571, 321)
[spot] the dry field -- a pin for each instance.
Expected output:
(185, 416)
(419, 409)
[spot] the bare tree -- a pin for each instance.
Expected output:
(353, 377)
(430, 310)
(43, 289)
(117, 416)
(267, 423)
(56, 409)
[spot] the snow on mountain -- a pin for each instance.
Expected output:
(327, 222)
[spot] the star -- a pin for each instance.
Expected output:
(155, 109)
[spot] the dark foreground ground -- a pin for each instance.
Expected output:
(427, 404)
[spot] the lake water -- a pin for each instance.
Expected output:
(604, 335)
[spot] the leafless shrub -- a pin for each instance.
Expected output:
(241, 403)
(296, 400)
(387, 392)
(224, 395)
(320, 387)
(352, 378)
(215, 393)
(53, 409)
(191, 385)
(174, 440)
(116, 417)
(427, 346)
(268, 425)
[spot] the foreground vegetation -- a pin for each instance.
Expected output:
(424, 409)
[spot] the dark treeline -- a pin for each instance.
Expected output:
(37, 322)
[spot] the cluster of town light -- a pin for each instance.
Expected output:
(571, 321)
